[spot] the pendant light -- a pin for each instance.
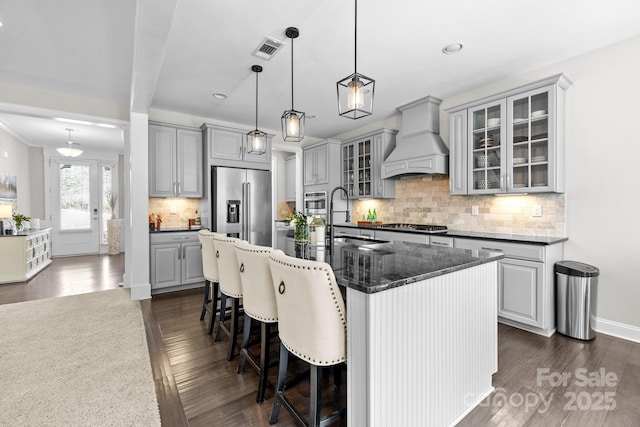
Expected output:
(355, 92)
(256, 139)
(292, 120)
(68, 150)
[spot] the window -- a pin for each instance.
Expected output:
(75, 198)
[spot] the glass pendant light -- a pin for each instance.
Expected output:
(69, 150)
(292, 120)
(355, 92)
(256, 139)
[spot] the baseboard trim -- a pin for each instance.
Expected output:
(141, 291)
(544, 332)
(616, 329)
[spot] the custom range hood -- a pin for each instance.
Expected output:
(421, 150)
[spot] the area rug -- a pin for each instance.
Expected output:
(79, 360)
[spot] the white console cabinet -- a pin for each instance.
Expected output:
(24, 255)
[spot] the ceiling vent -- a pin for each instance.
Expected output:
(267, 48)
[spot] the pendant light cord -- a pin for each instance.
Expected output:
(292, 73)
(355, 50)
(256, 100)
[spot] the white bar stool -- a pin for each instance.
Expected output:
(312, 325)
(259, 303)
(210, 273)
(230, 287)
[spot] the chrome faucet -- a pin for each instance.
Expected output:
(331, 212)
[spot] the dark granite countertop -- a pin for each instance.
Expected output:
(513, 238)
(174, 230)
(377, 267)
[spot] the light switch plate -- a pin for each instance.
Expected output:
(537, 210)
(474, 210)
(172, 210)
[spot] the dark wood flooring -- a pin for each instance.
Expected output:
(540, 381)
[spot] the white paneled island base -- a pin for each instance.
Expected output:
(422, 354)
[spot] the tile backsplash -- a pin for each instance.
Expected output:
(425, 199)
(184, 209)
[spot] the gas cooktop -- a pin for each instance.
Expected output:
(419, 227)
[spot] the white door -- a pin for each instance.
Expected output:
(75, 206)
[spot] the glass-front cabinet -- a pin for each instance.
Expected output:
(531, 150)
(514, 142)
(487, 152)
(356, 167)
(361, 165)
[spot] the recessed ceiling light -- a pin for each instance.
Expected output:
(310, 116)
(452, 48)
(0, 23)
(219, 95)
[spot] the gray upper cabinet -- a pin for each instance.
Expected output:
(361, 160)
(458, 153)
(227, 147)
(512, 142)
(321, 166)
(290, 179)
(316, 165)
(175, 161)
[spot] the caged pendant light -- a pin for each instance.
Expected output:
(256, 139)
(69, 150)
(355, 92)
(292, 120)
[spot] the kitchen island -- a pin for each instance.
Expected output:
(421, 330)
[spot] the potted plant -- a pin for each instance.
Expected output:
(113, 226)
(301, 223)
(19, 220)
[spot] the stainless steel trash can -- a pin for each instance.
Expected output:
(576, 298)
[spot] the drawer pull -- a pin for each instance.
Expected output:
(440, 243)
(492, 249)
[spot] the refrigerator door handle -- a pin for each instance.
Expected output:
(243, 217)
(247, 217)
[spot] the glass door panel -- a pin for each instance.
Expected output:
(348, 171)
(107, 191)
(529, 151)
(364, 168)
(75, 198)
(486, 150)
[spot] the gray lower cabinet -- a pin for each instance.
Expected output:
(526, 294)
(402, 237)
(175, 161)
(176, 261)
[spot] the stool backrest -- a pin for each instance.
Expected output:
(312, 321)
(209, 261)
(228, 272)
(258, 297)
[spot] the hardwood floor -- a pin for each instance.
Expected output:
(540, 381)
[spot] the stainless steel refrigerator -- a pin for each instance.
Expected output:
(241, 204)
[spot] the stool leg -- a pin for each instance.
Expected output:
(265, 335)
(205, 303)
(315, 402)
(214, 307)
(223, 309)
(234, 328)
(245, 343)
(282, 376)
(337, 375)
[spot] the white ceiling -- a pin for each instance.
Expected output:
(86, 48)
